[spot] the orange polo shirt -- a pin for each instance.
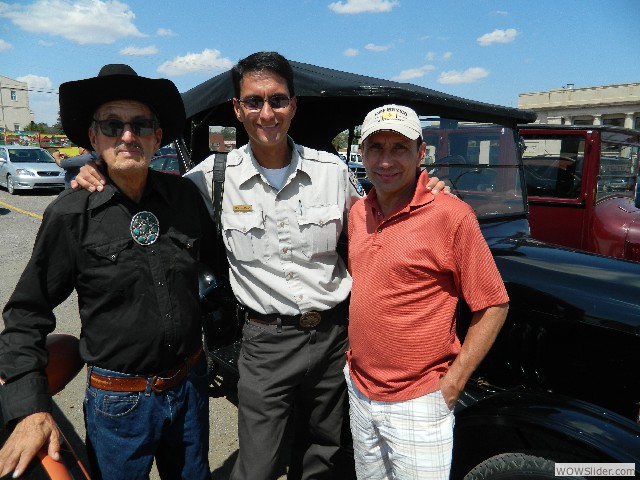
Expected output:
(408, 272)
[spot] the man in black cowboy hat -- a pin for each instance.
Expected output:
(132, 258)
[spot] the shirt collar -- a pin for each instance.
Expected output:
(154, 184)
(250, 169)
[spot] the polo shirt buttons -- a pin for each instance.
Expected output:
(379, 229)
(285, 250)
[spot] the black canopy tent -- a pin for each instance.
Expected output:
(329, 102)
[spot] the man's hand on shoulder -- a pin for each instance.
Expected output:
(31, 433)
(89, 177)
(435, 185)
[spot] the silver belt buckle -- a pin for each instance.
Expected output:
(310, 319)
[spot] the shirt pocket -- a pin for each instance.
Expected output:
(184, 254)
(109, 264)
(320, 226)
(245, 235)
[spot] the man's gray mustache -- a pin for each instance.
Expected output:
(127, 146)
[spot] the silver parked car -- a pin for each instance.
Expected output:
(27, 168)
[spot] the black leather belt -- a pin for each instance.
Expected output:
(306, 320)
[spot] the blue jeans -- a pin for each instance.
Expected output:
(126, 430)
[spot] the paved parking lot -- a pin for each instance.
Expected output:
(20, 217)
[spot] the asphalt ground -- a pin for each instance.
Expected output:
(20, 218)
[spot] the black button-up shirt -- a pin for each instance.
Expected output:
(139, 305)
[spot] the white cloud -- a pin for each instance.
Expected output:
(432, 56)
(81, 21)
(350, 52)
(377, 48)
(470, 75)
(498, 36)
(165, 32)
(36, 82)
(207, 61)
(4, 45)
(45, 43)
(42, 98)
(137, 51)
(364, 6)
(412, 73)
(500, 13)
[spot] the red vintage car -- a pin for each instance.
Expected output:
(582, 187)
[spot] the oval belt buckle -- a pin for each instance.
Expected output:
(310, 319)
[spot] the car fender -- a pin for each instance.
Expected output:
(562, 428)
(632, 239)
(613, 217)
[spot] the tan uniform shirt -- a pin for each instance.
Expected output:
(281, 244)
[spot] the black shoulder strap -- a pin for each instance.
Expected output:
(219, 166)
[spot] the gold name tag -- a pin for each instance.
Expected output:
(242, 208)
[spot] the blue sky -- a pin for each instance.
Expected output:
(486, 50)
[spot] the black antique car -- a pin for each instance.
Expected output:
(562, 382)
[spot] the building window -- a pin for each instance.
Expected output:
(615, 121)
(582, 121)
(16, 127)
(14, 95)
(636, 123)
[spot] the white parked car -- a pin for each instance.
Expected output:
(24, 168)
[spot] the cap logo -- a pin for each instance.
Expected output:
(389, 115)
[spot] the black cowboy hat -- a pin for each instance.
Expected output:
(81, 98)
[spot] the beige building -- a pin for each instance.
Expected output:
(617, 105)
(14, 105)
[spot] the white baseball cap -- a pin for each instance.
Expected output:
(395, 118)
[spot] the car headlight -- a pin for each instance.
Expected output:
(22, 171)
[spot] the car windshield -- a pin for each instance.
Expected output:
(478, 162)
(30, 155)
(165, 162)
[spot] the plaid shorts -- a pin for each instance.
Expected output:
(407, 440)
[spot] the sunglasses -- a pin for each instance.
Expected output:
(256, 103)
(114, 128)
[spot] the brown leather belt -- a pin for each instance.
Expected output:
(305, 320)
(159, 384)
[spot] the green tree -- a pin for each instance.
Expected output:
(38, 127)
(340, 141)
(229, 133)
(57, 127)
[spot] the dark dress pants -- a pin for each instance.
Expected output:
(283, 369)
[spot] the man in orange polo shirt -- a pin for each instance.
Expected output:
(412, 255)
